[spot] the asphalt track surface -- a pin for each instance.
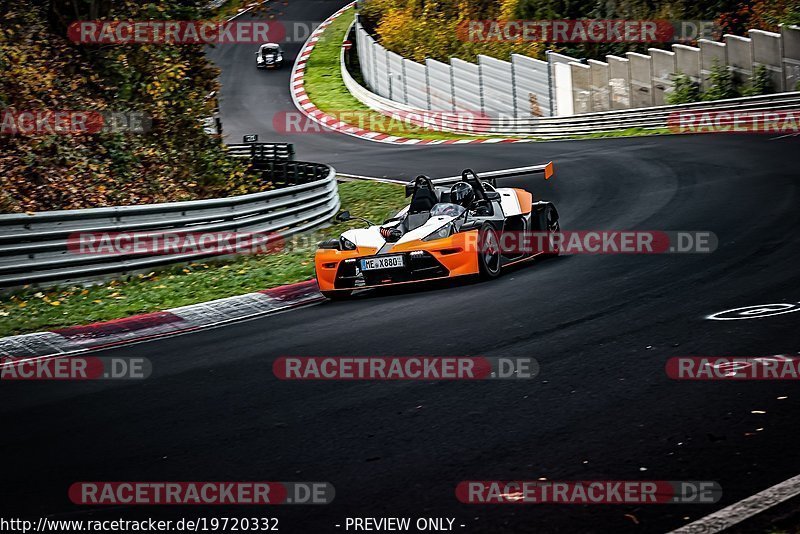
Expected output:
(601, 327)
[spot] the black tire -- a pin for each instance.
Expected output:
(552, 226)
(489, 256)
(340, 294)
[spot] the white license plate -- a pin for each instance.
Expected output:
(381, 262)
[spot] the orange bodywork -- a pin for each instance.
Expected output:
(549, 170)
(457, 253)
(525, 200)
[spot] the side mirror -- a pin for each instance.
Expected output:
(256, 53)
(331, 243)
(343, 216)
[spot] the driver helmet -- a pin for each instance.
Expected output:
(462, 194)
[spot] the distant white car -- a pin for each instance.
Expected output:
(269, 56)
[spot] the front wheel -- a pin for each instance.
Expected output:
(337, 295)
(488, 252)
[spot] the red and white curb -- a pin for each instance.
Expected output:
(64, 341)
(310, 110)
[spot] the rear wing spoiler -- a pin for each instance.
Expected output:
(491, 176)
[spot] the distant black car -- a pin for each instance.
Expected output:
(269, 56)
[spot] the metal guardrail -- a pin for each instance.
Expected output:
(262, 152)
(646, 118)
(34, 248)
(565, 126)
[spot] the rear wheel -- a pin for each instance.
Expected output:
(553, 227)
(488, 252)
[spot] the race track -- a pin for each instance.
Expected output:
(601, 328)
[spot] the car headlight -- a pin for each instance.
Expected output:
(440, 233)
(347, 244)
(279, 58)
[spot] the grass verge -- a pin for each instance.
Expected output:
(262, 9)
(32, 310)
(629, 132)
(228, 9)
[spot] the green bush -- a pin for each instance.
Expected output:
(760, 84)
(685, 92)
(722, 85)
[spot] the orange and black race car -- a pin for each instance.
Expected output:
(446, 231)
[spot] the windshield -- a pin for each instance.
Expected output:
(447, 209)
